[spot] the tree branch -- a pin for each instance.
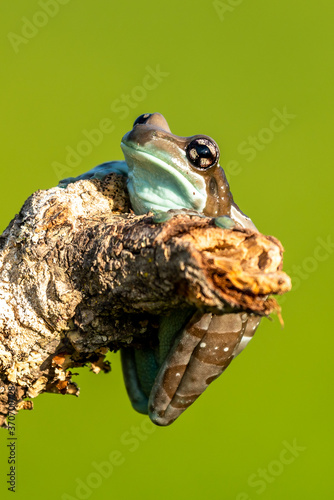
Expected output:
(80, 275)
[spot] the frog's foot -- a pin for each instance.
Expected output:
(224, 222)
(160, 217)
(139, 371)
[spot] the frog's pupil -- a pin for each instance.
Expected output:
(203, 151)
(142, 119)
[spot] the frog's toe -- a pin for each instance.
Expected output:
(161, 217)
(224, 222)
(137, 397)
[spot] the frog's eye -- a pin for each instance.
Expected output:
(142, 119)
(203, 153)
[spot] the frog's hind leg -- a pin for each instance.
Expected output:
(141, 366)
(200, 354)
(253, 321)
(139, 371)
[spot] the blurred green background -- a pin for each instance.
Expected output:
(257, 77)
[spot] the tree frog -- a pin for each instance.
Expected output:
(165, 172)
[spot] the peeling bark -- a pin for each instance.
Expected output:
(80, 275)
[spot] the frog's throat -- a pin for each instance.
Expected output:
(155, 185)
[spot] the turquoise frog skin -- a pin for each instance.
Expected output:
(165, 172)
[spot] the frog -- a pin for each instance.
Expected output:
(167, 175)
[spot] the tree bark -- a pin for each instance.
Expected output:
(80, 274)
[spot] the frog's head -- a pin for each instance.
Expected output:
(171, 172)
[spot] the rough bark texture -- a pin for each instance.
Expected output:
(80, 275)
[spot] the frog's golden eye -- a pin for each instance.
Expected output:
(202, 153)
(142, 119)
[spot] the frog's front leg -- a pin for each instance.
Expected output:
(200, 354)
(161, 216)
(224, 222)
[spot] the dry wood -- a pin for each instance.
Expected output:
(80, 275)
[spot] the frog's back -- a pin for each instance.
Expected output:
(99, 172)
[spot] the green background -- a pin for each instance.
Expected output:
(226, 70)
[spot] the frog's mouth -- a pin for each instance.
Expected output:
(156, 185)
